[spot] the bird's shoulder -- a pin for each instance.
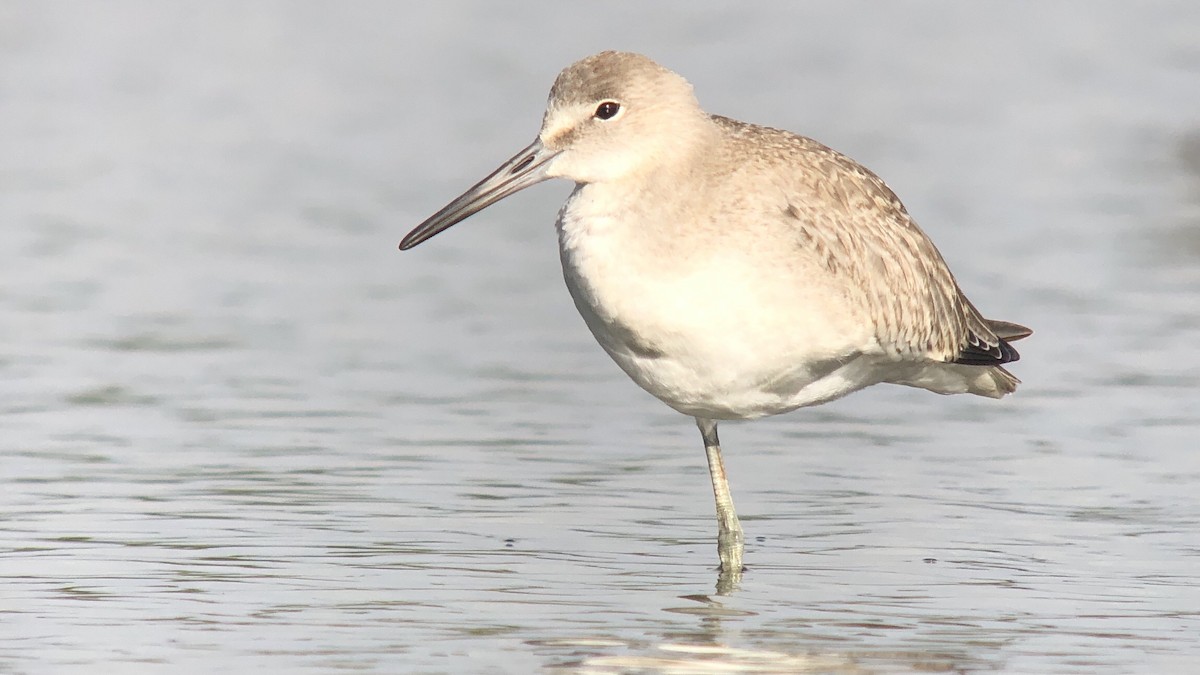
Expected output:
(809, 173)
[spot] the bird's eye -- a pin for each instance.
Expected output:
(607, 110)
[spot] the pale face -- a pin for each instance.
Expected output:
(594, 138)
(610, 117)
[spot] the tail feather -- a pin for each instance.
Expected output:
(1002, 383)
(957, 378)
(977, 369)
(1007, 330)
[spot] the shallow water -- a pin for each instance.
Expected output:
(240, 431)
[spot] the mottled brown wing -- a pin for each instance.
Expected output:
(847, 217)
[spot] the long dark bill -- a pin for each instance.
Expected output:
(527, 167)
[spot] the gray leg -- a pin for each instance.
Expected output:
(729, 531)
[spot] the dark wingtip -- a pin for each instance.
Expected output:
(980, 354)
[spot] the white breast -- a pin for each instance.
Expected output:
(701, 326)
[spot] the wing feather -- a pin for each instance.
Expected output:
(855, 226)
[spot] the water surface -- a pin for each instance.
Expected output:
(240, 431)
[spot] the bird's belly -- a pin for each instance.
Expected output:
(726, 385)
(712, 340)
(700, 392)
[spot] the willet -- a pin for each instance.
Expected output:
(733, 270)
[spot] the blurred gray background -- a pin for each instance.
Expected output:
(240, 430)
